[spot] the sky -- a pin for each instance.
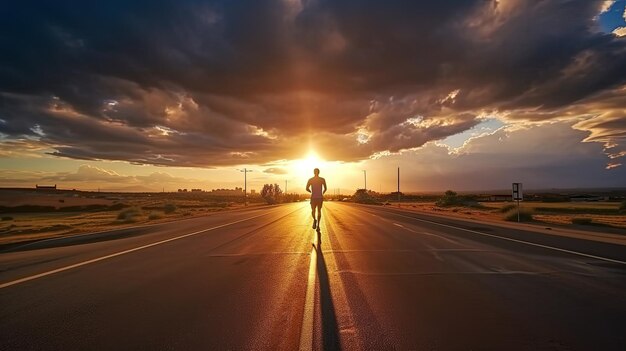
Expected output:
(140, 95)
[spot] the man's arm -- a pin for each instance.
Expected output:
(324, 185)
(308, 186)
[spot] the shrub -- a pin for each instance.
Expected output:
(169, 208)
(582, 220)
(81, 208)
(507, 208)
(7, 218)
(272, 193)
(154, 215)
(451, 198)
(524, 215)
(363, 196)
(129, 214)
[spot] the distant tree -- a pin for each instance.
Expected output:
(450, 193)
(449, 198)
(365, 197)
(272, 193)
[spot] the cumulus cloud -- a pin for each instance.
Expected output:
(88, 175)
(275, 170)
(540, 156)
(217, 83)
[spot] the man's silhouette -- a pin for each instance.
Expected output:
(314, 186)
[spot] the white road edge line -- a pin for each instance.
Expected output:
(516, 240)
(76, 265)
(306, 331)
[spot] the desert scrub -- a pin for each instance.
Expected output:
(582, 220)
(507, 208)
(129, 214)
(169, 208)
(524, 215)
(154, 215)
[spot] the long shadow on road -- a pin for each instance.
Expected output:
(330, 331)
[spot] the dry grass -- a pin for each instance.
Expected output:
(600, 213)
(138, 209)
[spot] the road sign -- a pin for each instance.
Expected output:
(517, 192)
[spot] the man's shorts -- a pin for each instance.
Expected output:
(316, 202)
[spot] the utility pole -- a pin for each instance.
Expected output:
(365, 178)
(245, 185)
(398, 183)
(285, 186)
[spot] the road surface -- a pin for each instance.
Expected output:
(374, 278)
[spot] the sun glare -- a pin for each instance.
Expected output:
(304, 167)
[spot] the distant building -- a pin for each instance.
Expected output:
(501, 197)
(227, 192)
(46, 187)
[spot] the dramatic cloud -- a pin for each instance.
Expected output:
(540, 156)
(216, 83)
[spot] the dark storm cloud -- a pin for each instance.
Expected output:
(210, 83)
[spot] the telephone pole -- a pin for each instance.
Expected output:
(398, 183)
(245, 185)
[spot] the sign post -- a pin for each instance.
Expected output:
(517, 196)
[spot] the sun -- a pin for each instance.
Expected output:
(303, 168)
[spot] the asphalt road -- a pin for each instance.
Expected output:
(372, 279)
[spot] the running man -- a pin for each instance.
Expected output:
(314, 186)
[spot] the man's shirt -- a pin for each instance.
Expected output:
(316, 187)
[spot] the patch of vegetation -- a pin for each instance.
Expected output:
(582, 221)
(154, 215)
(577, 210)
(49, 209)
(363, 196)
(524, 215)
(129, 215)
(169, 208)
(7, 218)
(26, 209)
(507, 208)
(451, 198)
(83, 208)
(272, 194)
